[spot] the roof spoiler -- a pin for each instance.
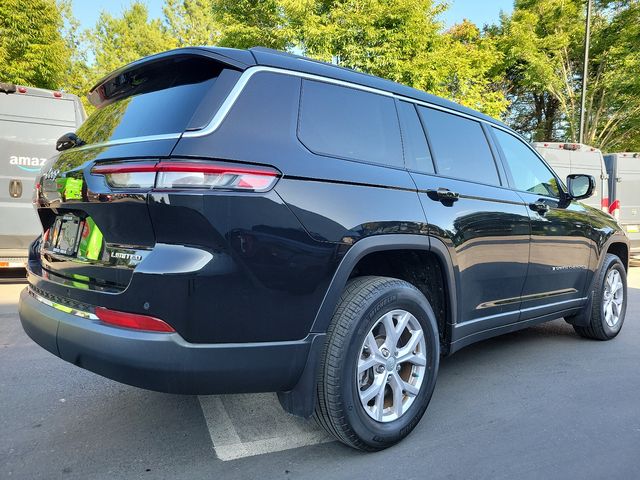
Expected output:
(138, 77)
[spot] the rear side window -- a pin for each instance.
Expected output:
(155, 99)
(459, 147)
(414, 143)
(529, 173)
(349, 123)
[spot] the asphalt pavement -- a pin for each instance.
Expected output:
(539, 403)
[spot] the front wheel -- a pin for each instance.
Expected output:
(379, 365)
(609, 302)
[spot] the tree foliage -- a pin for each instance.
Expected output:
(32, 49)
(403, 41)
(542, 44)
(116, 41)
(525, 69)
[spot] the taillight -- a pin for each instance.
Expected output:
(205, 175)
(128, 175)
(132, 320)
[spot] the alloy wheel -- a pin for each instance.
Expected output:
(391, 365)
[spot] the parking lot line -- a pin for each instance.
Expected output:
(246, 425)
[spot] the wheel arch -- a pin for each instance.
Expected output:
(300, 400)
(377, 244)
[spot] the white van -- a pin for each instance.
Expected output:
(31, 120)
(570, 158)
(624, 185)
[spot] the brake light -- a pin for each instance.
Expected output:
(132, 320)
(22, 90)
(57, 94)
(188, 175)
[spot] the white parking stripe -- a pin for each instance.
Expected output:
(246, 425)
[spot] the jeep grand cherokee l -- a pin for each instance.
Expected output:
(250, 221)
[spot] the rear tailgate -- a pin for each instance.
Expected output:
(96, 233)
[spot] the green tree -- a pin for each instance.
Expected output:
(542, 47)
(541, 43)
(192, 22)
(116, 41)
(402, 40)
(251, 23)
(613, 96)
(32, 49)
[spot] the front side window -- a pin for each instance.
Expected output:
(349, 123)
(459, 146)
(529, 173)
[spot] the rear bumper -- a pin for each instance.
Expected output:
(163, 361)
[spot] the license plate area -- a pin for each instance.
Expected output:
(65, 235)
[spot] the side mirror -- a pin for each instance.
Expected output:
(580, 186)
(67, 141)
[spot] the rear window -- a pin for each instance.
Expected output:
(460, 147)
(37, 109)
(156, 99)
(349, 123)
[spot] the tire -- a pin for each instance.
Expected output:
(366, 303)
(600, 326)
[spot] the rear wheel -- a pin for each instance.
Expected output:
(609, 303)
(379, 365)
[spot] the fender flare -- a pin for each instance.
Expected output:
(300, 400)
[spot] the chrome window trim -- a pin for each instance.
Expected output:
(228, 103)
(124, 141)
(237, 89)
(242, 82)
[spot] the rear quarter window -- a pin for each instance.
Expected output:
(349, 123)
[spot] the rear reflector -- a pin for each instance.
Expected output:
(187, 175)
(132, 320)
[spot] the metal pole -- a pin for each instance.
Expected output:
(585, 70)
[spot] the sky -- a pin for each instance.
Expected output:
(480, 12)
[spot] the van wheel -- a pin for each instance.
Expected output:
(379, 364)
(609, 301)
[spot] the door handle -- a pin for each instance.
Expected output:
(539, 207)
(447, 195)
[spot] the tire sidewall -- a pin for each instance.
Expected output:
(377, 434)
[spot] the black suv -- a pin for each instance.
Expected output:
(250, 221)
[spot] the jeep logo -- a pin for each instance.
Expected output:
(30, 164)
